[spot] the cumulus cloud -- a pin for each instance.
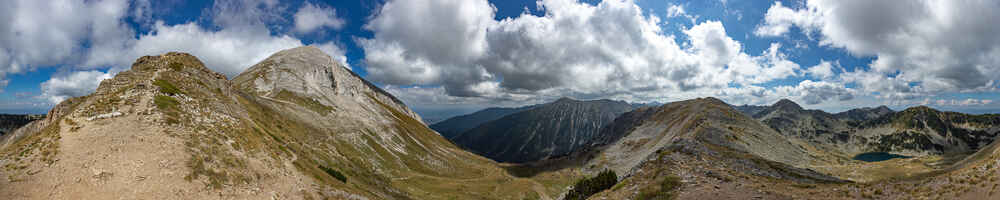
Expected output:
(823, 70)
(311, 17)
(931, 46)
(818, 92)
(780, 19)
(48, 33)
(79, 83)
(710, 40)
(425, 42)
(678, 11)
(675, 11)
(608, 50)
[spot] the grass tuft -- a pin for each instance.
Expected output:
(309, 103)
(165, 102)
(176, 66)
(167, 88)
(663, 191)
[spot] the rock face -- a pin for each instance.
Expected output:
(544, 131)
(295, 126)
(310, 73)
(451, 127)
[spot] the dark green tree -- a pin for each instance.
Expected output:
(589, 186)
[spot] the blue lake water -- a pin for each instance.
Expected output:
(877, 156)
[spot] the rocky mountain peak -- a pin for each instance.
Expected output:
(785, 104)
(304, 70)
(882, 110)
(920, 108)
(310, 73)
(712, 100)
(564, 100)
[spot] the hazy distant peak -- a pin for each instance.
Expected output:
(786, 104)
(564, 99)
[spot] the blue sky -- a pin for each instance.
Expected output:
(446, 57)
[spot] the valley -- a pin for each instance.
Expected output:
(299, 126)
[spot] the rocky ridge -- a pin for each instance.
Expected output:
(704, 121)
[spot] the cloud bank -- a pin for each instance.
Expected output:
(608, 50)
(926, 46)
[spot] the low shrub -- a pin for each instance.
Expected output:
(663, 191)
(334, 173)
(167, 88)
(589, 186)
(165, 102)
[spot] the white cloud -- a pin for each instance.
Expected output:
(311, 17)
(676, 11)
(78, 83)
(823, 70)
(48, 33)
(931, 46)
(228, 51)
(710, 40)
(780, 19)
(428, 42)
(818, 92)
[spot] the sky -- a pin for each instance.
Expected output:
(449, 57)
